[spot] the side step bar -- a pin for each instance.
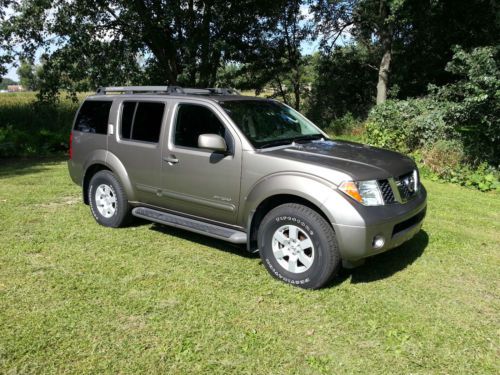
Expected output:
(211, 230)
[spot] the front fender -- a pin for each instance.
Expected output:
(311, 188)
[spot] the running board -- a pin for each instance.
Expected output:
(211, 230)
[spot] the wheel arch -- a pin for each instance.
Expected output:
(269, 204)
(285, 187)
(111, 163)
(89, 173)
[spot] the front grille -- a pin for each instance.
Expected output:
(406, 186)
(409, 222)
(386, 190)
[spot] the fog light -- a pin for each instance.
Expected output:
(378, 242)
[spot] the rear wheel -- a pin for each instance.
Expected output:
(298, 246)
(108, 201)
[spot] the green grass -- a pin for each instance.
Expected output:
(76, 297)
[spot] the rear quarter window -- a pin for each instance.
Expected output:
(93, 117)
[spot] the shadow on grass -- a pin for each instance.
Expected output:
(227, 247)
(386, 264)
(22, 166)
(376, 268)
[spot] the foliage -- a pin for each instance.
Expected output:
(419, 36)
(345, 83)
(441, 162)
(345, 125)
(279, 63)
(459, 121)
(408, 125)
(80, 298)
(423, 48)
(443, 157)
(29, 128)
(29, 75)
(4, 82)
(125, 41)
(474, 99)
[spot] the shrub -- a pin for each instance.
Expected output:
(443, 157)
(473, 101)
(344, 125)
(31, 128)
(408, 125)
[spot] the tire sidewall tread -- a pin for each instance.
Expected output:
(122, 214)
(326, 259)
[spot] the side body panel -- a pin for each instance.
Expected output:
(264, 176)
(142, 160)
(201, 182)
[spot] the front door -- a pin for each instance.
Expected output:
(196, 181)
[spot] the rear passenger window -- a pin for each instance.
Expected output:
(93, 117)
(141, 121)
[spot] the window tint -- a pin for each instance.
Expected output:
(193, 120)
(141, 121)
(93, 117)
(147, 122)
(128, 111)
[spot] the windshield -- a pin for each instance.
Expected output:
(269, 123)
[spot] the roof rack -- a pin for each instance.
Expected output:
(165, 90)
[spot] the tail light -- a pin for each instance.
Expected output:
(70, 145)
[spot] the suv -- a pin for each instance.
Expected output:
(245, 170)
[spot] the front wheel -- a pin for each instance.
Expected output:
(298, 246)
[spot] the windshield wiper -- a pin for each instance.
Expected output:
(310, 137)
(277, 142)
(281, 142)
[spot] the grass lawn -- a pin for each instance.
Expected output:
(76, 297)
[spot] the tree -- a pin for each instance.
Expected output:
(5, 47)
(27, 75)
(4, 82)
(170, 42)
(412, 39)
(345, 84)
(276, 60)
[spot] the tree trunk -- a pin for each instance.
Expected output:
(296, 92)
(383, 76)
(385, 34)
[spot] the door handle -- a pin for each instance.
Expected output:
(171, 160)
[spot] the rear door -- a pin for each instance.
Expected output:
(196, 181)
(137, 144)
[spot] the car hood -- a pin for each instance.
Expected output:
(357, 160)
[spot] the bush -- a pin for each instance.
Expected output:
(346, 124)
(473, 102)
(443, 158)
(408, 125)
(455, 131)
(31, 128)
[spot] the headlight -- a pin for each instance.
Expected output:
(365, 192)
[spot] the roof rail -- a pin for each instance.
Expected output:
(165, 90)
(138, 89)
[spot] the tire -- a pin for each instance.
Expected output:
(108, 200)
(298, 246)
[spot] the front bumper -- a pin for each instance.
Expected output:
(395, 223)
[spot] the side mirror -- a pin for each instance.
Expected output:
(212, 142)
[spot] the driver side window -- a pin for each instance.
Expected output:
(193, 120)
